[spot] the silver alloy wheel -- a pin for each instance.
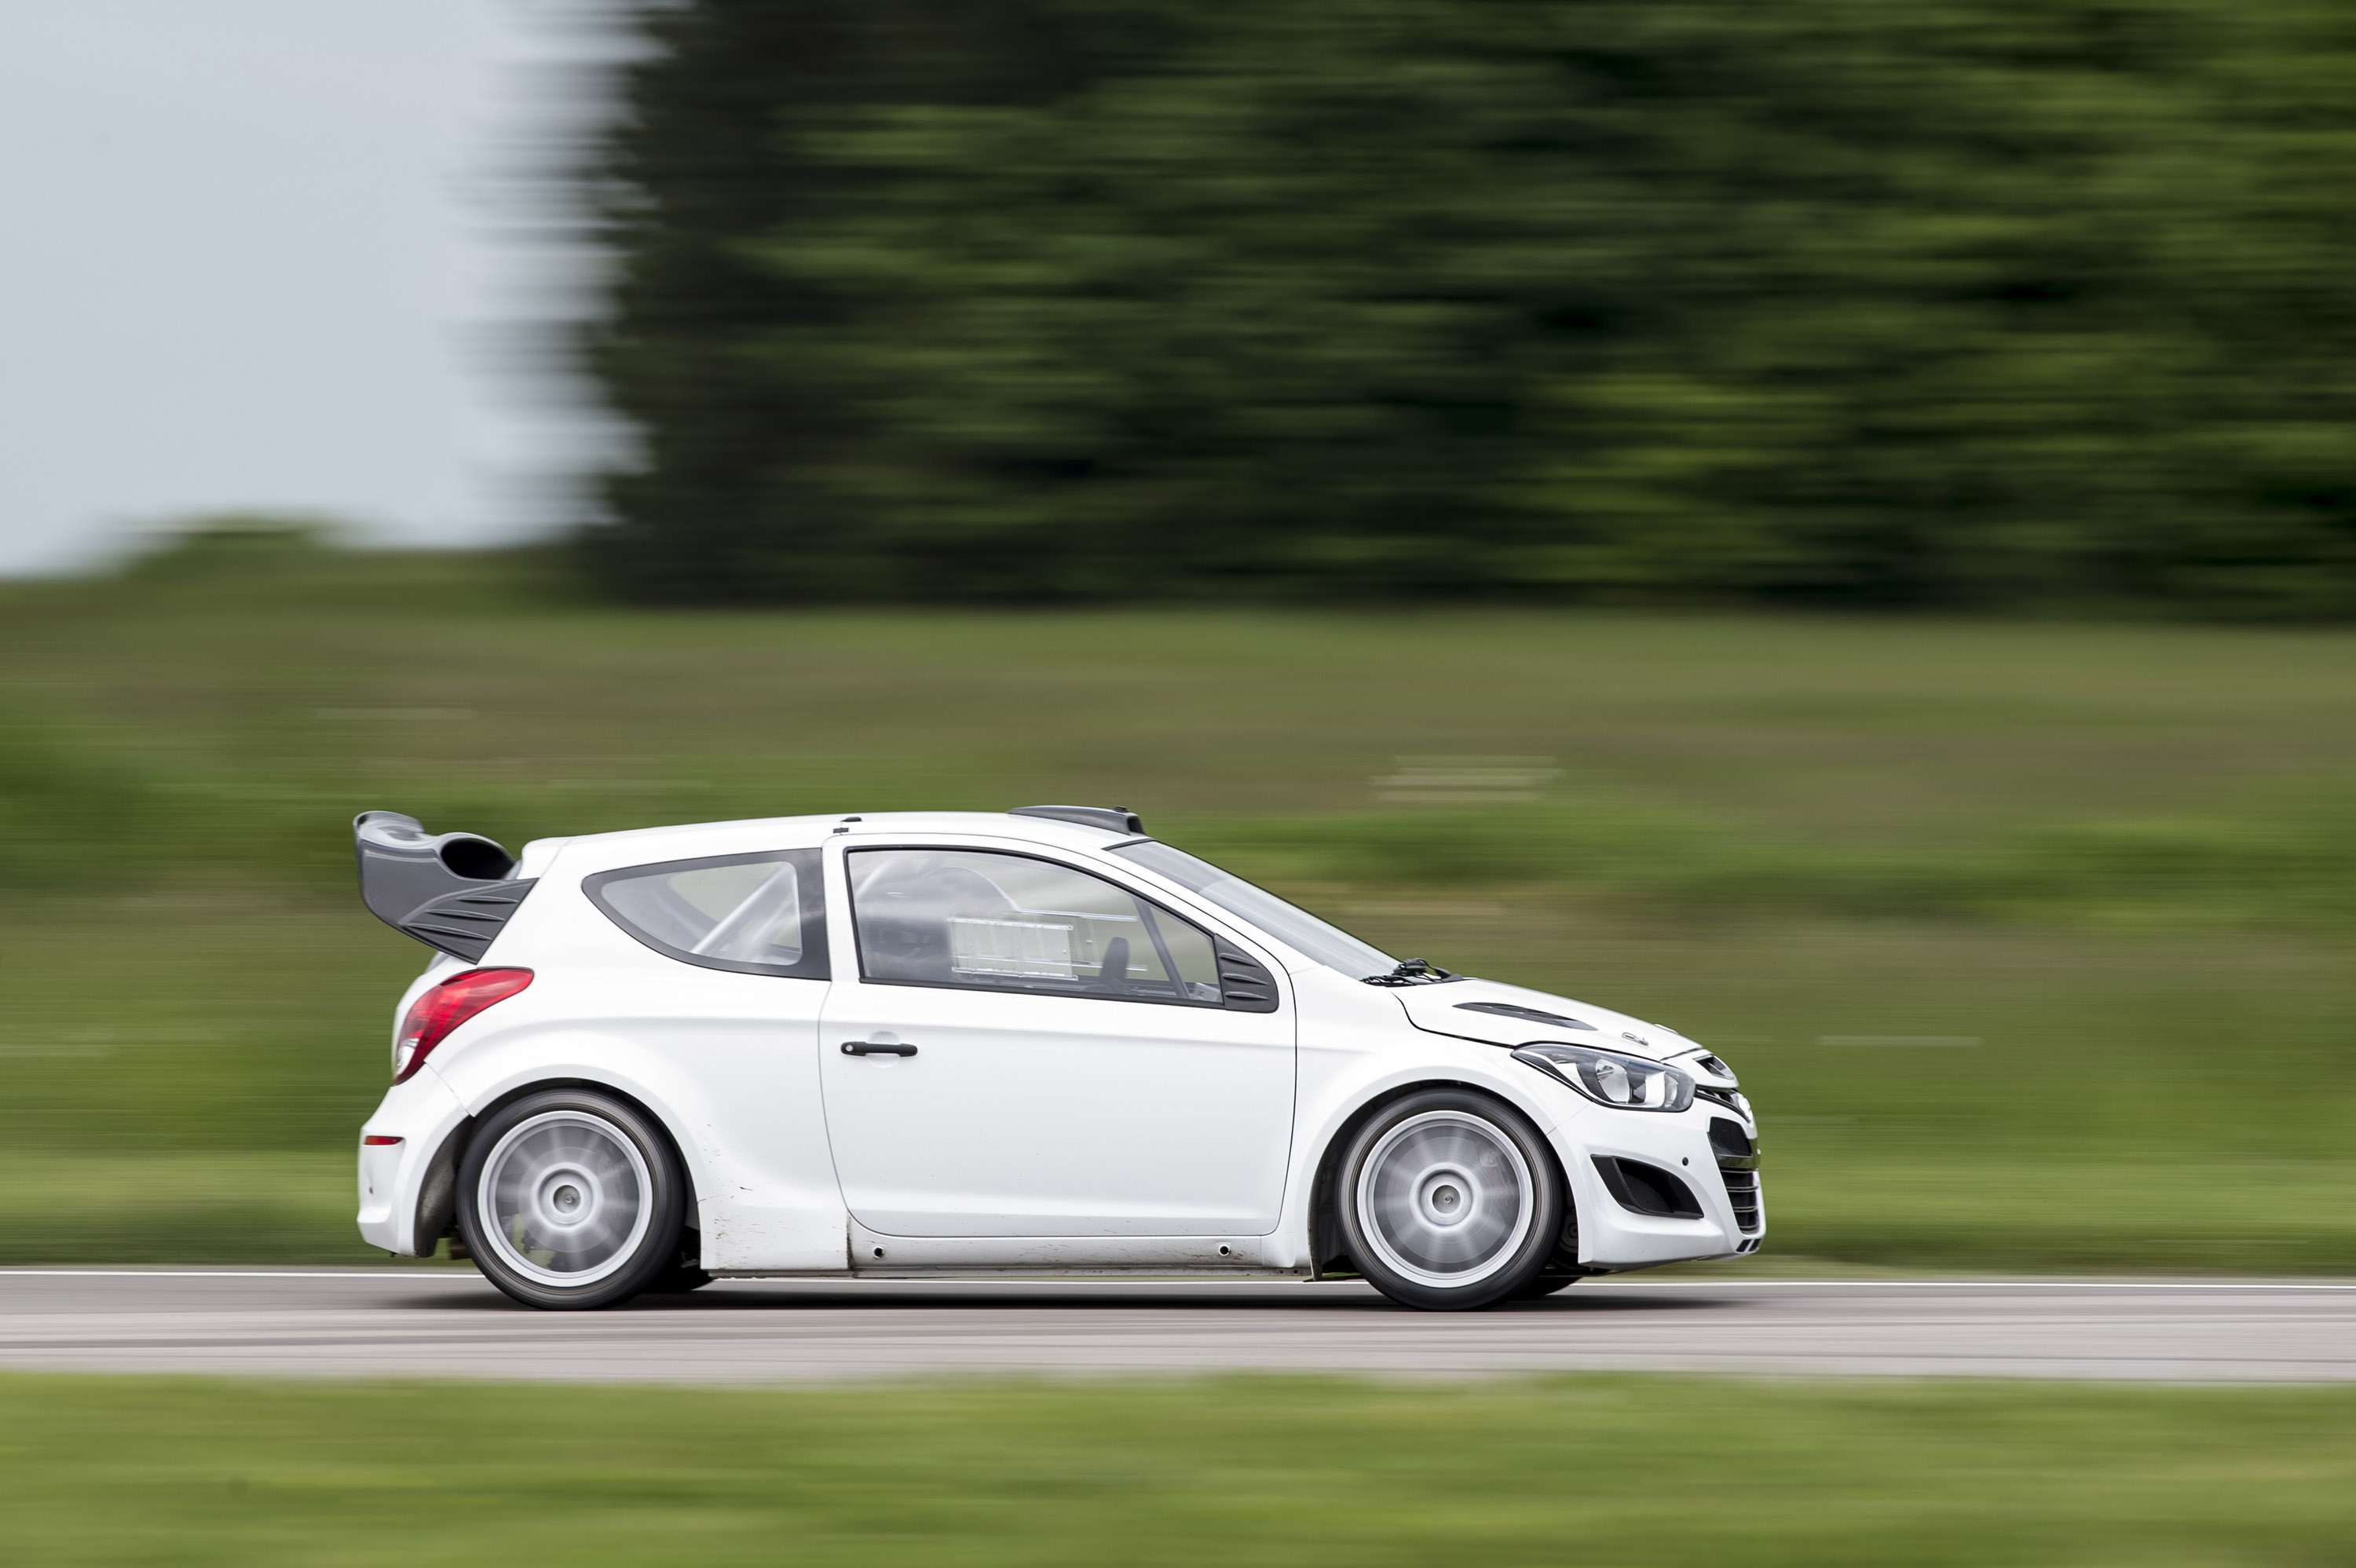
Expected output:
(1445, 1198)
(564, 1198)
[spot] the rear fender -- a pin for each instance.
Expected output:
(754, 1208)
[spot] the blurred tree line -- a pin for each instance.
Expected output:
(1884, 302)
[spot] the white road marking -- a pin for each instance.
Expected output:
(1099, 1282)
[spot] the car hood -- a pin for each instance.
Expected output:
(1460, 1007)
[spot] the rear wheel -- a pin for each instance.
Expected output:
(571, 1199)
(1450, 1200)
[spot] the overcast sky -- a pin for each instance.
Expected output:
(265, 254)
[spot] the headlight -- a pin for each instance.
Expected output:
(1608, 1078)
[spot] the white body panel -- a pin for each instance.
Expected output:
(1024, 1115)
(1443, 1010)
(1030, 1132)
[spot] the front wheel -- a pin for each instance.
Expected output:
(571, 1199)
(1450, 1200)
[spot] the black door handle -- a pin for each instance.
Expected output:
(870, 1048)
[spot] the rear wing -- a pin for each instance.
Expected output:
(449, 890)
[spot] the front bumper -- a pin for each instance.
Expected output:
(1616, 1234)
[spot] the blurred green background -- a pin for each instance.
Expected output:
(1246, 1470)
(1829, 525)
(1929, 302)
(1411, 450)
(2030, 940)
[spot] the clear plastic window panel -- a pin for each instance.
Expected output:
(750, 913)
(973, 918)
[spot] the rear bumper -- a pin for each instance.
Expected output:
(422, 1112)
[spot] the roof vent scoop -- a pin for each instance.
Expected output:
(1111, 818)
(449, 890)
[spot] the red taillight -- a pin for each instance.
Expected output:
(377, 1140)
(432, 1015)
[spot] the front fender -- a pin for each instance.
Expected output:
(1357, 1049)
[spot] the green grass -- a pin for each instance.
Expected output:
(2118, 859)
(1655, 1470)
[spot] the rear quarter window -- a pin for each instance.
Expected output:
(752, 914)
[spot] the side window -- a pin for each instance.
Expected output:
(965, 917)
(755, 914)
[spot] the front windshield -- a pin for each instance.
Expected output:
(1296, 927)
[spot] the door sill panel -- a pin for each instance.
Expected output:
(871, 1252)
(951, 1272)
(1159, 1271)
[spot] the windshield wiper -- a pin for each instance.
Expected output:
(1413, 972)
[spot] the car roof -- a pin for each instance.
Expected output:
(688, 841)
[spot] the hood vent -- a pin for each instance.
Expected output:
(1526, 1014)
(449, 890)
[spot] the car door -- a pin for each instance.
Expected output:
(1016, 1047)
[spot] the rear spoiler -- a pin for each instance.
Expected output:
(449, 890)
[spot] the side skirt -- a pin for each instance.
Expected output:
(873, 1253)
(955, 1272)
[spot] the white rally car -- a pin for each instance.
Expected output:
(1041, 1042)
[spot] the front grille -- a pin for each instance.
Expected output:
(1742, 1192)
(1738, 1167)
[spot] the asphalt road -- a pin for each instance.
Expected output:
(449, 1323)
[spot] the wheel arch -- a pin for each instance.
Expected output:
(437, 1193)
(1328, 1255)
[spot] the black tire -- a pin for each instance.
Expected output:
(1548, 1284)
(1450, 1200)
(572, 1182)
